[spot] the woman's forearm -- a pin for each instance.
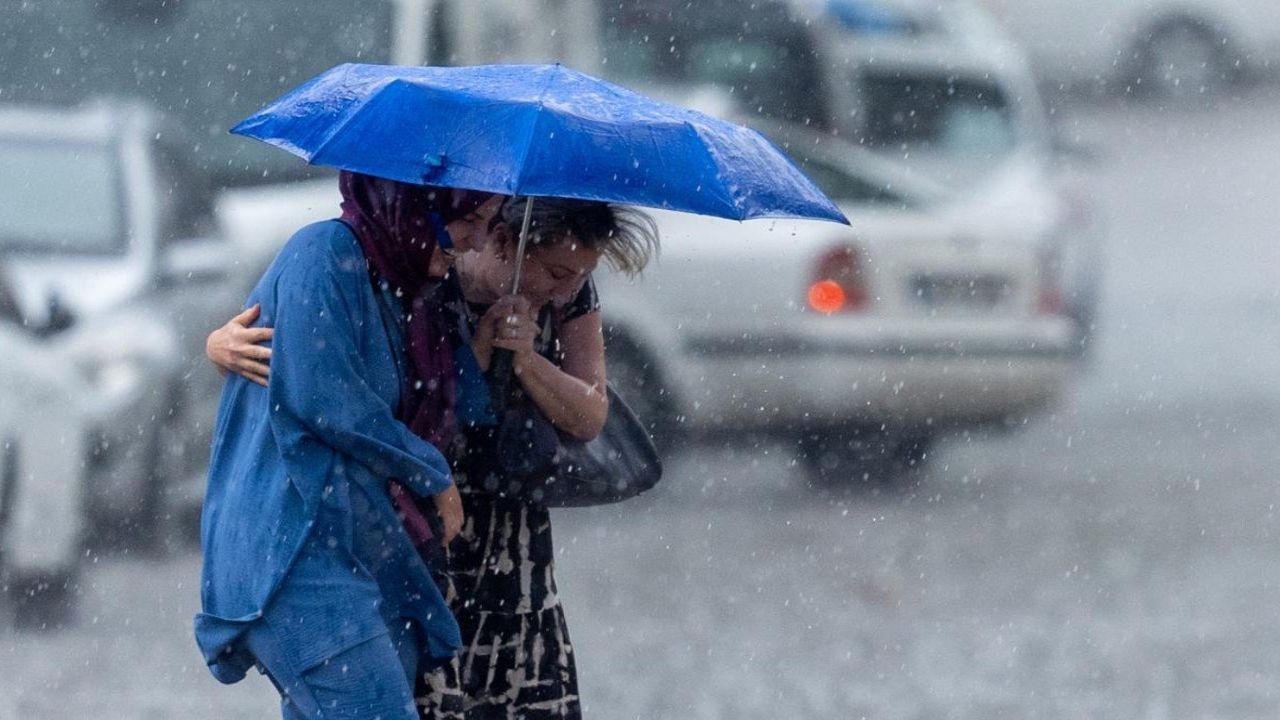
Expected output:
(572, 405)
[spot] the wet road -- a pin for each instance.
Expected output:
(1118, 559)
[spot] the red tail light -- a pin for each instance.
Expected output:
(838, 283)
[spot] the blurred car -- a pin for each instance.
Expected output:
(107, 242)
(45, 415)
(950, 95)
(938, 87)
(861, 344)
(1166, 48)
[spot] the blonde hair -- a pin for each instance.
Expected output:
(626, 238)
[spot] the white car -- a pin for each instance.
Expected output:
(862, 344)
(1158, 47)
(939, 87)
(955, 99)
(45, 414)
(108, 248)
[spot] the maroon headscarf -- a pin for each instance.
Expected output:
(392, 221)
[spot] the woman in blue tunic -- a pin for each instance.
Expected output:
(309, 572)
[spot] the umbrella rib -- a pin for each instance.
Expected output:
(533, 128)
(706, 149)
(351, 116)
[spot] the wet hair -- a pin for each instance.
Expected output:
(626, 238)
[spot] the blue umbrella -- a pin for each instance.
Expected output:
(535, 130)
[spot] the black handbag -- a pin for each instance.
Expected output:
(536, 462)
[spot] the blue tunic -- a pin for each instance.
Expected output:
(297, 521)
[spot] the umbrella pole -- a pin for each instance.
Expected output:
(522, 245)
(502, 364)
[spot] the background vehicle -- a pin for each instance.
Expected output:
(108, 242)
(939, 88)
(1167, 48)
(861, 345)
(953, 97)
(44, 423)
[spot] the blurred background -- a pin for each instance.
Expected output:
(1005, 448)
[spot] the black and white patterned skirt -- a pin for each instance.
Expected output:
(517, 660)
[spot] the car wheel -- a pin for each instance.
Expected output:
(844, 458)
(148, 528)
(43, 601)
(1181, 59)
(635, 378)
(868, 458)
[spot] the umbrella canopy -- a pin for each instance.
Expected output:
(536, 130)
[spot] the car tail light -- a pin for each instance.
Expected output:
(838, 284)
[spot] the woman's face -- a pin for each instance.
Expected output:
(468, 233)
(553, 271)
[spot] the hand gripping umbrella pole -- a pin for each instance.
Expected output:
(502, 366)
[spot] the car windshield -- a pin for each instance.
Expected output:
(60, 198)
(769, 68)
(951, 129)
(843, 186)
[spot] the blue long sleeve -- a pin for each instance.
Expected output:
(308, 458)
(318, 388)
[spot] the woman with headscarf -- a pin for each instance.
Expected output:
(312, 533)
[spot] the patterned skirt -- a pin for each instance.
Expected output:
(517, 661)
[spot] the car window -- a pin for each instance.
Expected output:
(769, 65)
(940, 125)
(60, 197)
(842, 185)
